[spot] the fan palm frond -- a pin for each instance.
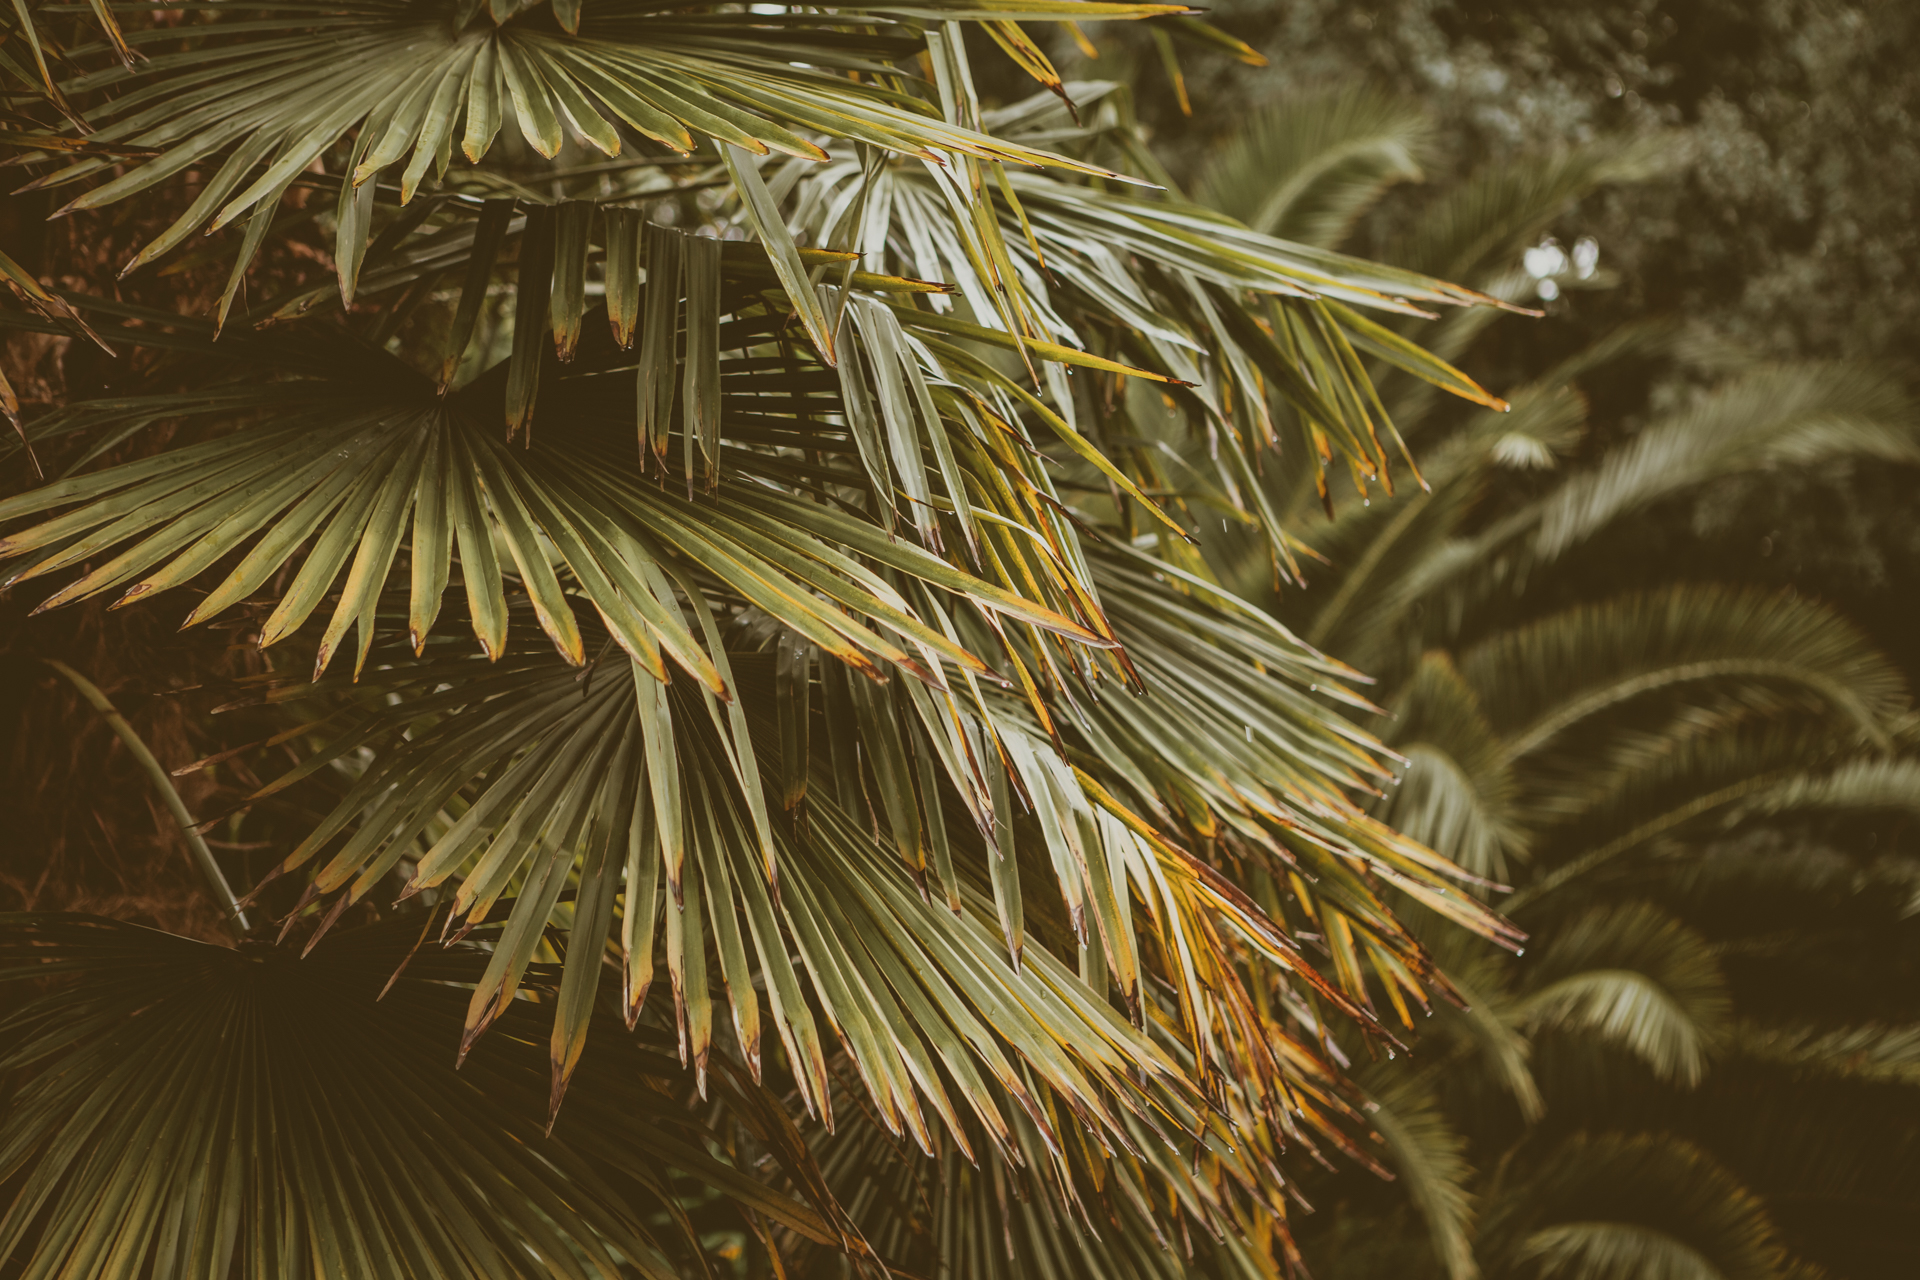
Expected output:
(266, 98)
(187, 1109)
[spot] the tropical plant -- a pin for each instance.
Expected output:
(1687, 1073)
(840, 651)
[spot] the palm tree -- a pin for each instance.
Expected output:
(847, 711)
(1678, 777)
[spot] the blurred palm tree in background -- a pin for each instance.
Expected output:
(1702, 1064)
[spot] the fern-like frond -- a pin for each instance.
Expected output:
(1868, 1054)
(1776, 416)
(1306, 166)
(1615, 1206)
(1701, 642)
(1637, 977)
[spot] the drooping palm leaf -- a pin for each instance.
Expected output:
(1637, 977)
(1612, 1205)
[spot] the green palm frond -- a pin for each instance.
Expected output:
(1610, 1250)
(1541, 681)
(1702, 777)
(1702, 746)
(188, 1109)
(362, 462)
(1697, 760)
(32, 68)
(1855, 786)
(1457, 793)
(1637, 977)
(1866, 1054)
(847, 689)
(1611, 1206)
(267, 97)
(502, 790)
(1778, 415)
(1774, 416)
(1430, 1160)
(624, 774)
(1058, 257)
(1488, 1024)
(1305, 167)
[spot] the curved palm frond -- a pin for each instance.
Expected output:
(1609, 1250)
(1305, 167)
(1430, 1160)
(1456, 794)
(1786, 415)
(1691, 740)
(1608, 1205)
(1636, 976)
(1867, 1054)
(1706, 777)
(1858, 786)
(1539, 681)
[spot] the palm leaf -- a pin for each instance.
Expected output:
(1306, 166)
(1772, 416)
(190, 1086)
(1431, 1162)
(1636, 977)
(1543, 680)
(1613, 1205)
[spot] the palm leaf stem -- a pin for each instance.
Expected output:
(231, 913)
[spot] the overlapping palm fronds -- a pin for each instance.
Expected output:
(1632, 762)
(845, 691)
(1646, 768)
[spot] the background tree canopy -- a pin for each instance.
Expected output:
(1780, 233)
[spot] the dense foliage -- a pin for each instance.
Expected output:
(1781, 230)
(660, 499)
(1703, 1064)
